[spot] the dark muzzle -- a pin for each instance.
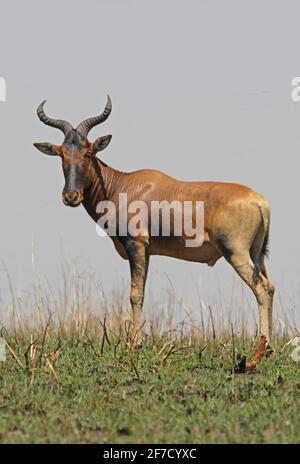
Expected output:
(72, 198)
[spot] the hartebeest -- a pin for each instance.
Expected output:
(236, 219)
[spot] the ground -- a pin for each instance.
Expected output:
(83, 390)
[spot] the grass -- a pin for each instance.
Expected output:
(72, 377)
(168, 392)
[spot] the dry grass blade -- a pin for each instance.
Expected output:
(169, 352)
(136, 336)
(212, 323)
(233, 361)
(287, 344)
(50, 366)
(53, 356)
(16, 358)
(119, 364)
(105, 336)
(29, 353)
(165, 346)
(44, 340)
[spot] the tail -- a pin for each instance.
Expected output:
(263, 250)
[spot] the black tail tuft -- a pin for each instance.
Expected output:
(259, 259)
(256, 271)
(265, 247)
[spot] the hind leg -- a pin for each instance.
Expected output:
(243, 265)
(271, 290)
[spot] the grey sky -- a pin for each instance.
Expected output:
(200, 90)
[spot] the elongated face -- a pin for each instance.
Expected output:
(76, 152)
(76, 163)
(78, 156)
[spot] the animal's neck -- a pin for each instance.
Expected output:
(105, 181)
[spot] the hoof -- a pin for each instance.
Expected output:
(244, 366)
(269, 350)
(263, 349)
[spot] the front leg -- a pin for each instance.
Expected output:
(139, 260)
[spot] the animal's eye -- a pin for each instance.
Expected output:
(88, 155)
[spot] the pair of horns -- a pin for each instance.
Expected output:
(84, 127)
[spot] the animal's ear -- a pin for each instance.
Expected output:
(101, 143)
(48, 148)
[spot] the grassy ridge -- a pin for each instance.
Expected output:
(97, 390)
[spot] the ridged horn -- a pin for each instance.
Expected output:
(86, 125)
(60, 124)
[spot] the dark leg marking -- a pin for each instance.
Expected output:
(221, 242)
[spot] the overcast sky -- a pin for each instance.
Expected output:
(200, 90)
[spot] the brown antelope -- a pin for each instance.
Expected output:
(236, 219)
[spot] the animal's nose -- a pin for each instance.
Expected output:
(71, 197)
